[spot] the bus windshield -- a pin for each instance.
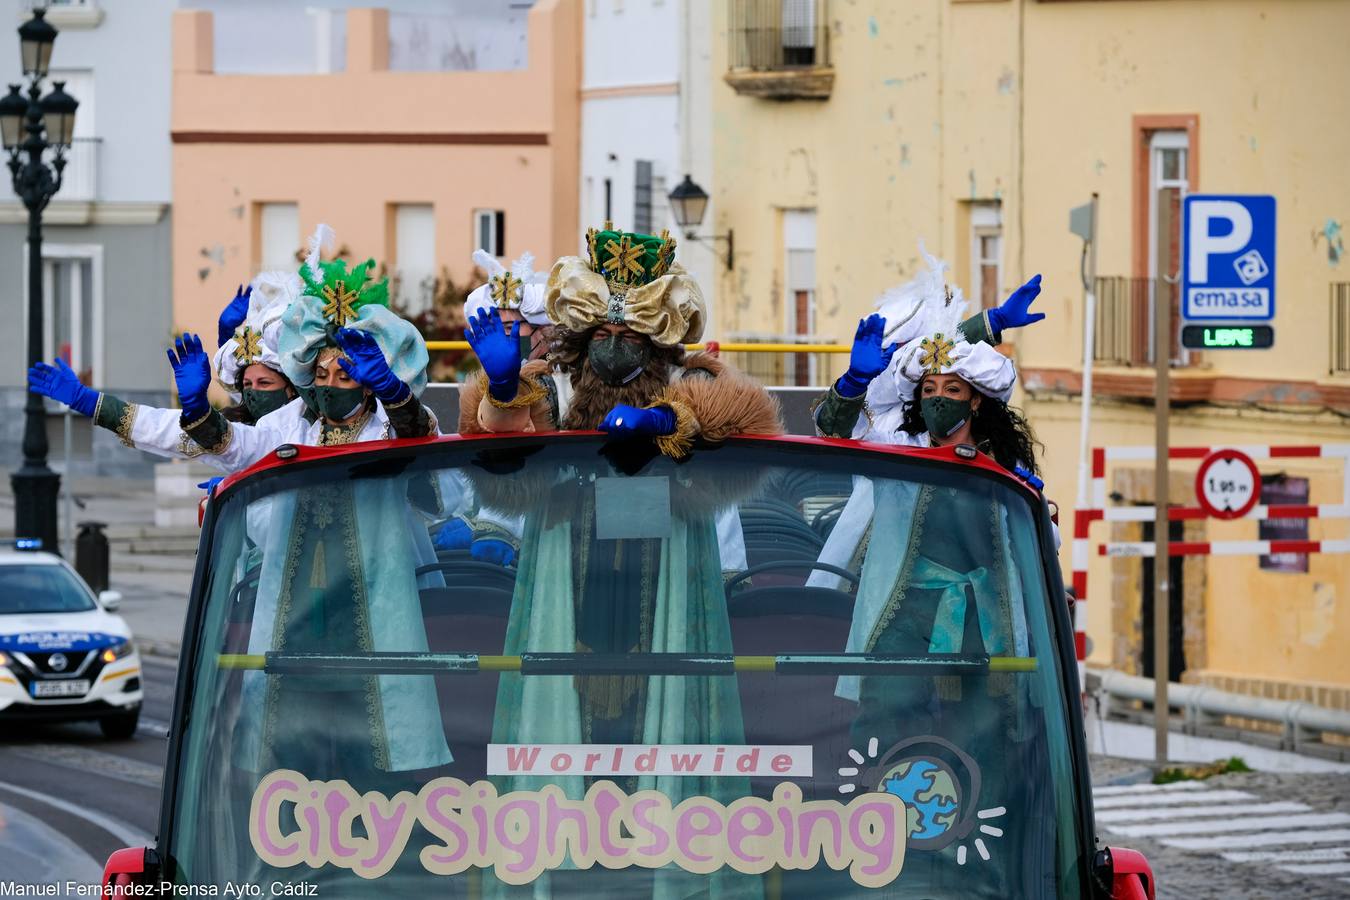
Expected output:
(558, 667)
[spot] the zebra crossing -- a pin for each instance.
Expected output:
(1238, 825)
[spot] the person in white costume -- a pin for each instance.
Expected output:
(247, 366)
(876, 401)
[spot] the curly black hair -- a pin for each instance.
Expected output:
(998, 429)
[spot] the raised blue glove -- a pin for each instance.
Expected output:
(62, 384)
(209, 485)
(491, 550)
(1013, 311)
(366, 364)
(629, 421)
(192, 375)
(453, 535)
(867, 359)
(232, 316)
(498, 350)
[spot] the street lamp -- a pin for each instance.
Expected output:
(689, 202)
(49, 123)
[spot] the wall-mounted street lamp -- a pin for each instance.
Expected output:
(689, 202)
(29, 126)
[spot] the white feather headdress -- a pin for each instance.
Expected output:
(519, 288)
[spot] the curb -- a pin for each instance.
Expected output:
(1141, 776)
(158, 649)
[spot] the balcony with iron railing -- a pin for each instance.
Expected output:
(1124, 332)
(1340, 328)
(779, 49)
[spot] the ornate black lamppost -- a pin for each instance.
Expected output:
(689, 202)
(49, 123)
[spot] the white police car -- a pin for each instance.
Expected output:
(63, 654)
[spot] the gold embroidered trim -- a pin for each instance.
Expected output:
(224, 443)
(125, 421)
(906, 569)
(187, 447)
(833, 392)
(530, 393)
(191, 425)
(327, 354)
(678, 444)
(400, 404)
(335, 435)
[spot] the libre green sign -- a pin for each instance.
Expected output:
(1228, 337)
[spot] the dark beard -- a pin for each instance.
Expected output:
(592, 399)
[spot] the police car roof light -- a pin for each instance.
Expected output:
(28, 543)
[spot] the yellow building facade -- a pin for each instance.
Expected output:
(854, 130)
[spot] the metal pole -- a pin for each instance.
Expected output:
(1162, 357)
(35, 485)
(1089, 353)
(69, 500)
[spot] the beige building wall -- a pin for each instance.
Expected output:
(942, 107)
(347, 147)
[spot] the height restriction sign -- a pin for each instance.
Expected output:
(1228, 484)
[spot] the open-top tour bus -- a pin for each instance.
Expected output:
(782, 667)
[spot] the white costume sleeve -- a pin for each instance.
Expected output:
(159, 431)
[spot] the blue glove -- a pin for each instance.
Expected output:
(366, 364)
(453, 535)
(1026, 475)
(491, 550)
(868, 359)
(629, 421)
(209, 485)
(62, 384)
(192, 375)
(1013, 312)
(232, 316)
(498, 350)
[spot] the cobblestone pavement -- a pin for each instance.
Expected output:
(1251, 835)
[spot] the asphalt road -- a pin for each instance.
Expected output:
(74, 796)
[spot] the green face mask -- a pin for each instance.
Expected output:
(260, 403)
(338, 404)
(311, 402)
(943, 415)
(618, 361)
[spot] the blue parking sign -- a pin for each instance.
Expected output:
(1228, 257)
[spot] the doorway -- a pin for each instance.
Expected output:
(1176, 607)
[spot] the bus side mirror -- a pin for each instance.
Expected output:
(1126, 874)
(130, 871)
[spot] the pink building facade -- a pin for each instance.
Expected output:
(415, 169)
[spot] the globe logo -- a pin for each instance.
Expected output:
(930, 793)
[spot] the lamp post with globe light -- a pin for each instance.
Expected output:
(30, 126)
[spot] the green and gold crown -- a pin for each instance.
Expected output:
(344, 292)
(628, 259)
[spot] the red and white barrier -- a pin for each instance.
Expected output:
(1101, 512)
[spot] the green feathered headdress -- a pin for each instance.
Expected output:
(334, 297)
(342, 291)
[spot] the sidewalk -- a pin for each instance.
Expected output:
(151, 566)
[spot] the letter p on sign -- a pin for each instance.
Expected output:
(1202, 243)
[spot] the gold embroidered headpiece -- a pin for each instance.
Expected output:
(248, 346)
(627, 279)
(936, 354)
